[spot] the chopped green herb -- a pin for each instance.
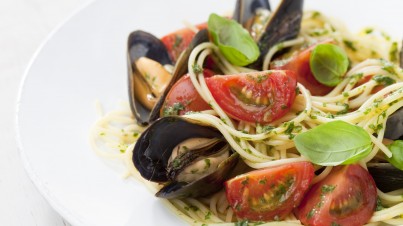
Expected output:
(394, 52)
(245, 181)
(197, 69)
(208, 215)
(379, 204)
(241, 223)
(207, 162)
(263, 181)
(310, 214)
(383, 80)
(349, 44)
(173, 110)
(345, 94)
(328, 188)
(176, 163)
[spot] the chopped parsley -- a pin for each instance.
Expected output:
(197, 69)
(349, 44)
(174, 109)
(383, 80)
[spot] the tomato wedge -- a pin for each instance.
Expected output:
(271, 193)
(347, 196)
(183, 97)
(300, 64)
(254, 97)
(177, 41)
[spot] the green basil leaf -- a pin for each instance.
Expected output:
(397, 154)
(234, 42)
(328, 64)
(334, 143)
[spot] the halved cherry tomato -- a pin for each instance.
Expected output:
(300, 64)
(177, 41)
(271, 193)
(254, 97)
(183, 97)
(347, 196)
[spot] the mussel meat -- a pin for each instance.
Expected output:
(192, 159)
(146, 52)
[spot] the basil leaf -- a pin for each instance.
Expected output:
(334, 143)
(234, 42)
(328, 64)
(397, 154)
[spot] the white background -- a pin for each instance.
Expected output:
(24, 25)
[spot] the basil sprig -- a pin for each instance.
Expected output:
(334, 143)
(234, 42)
(328, 64)
(397, 154)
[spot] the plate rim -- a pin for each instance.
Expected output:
(32, 175)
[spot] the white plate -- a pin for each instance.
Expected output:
(84, 60)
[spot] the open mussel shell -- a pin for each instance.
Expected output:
(284, 24)
(155, 145)
(202, 187)
(142, 44)
(386, 176)
(154, 159)
(181, 68)
(245, 10)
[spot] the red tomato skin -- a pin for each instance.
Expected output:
(244, 197)
(185, 93)
(352, 182)
(179, 40)
(280, 86)
(300, 64)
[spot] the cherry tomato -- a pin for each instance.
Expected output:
(183, 97)
(347, 196)
(177, 41)
(271, 193)
(300, 64)
(254, 97)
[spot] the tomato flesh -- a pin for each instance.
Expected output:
(179, 40)
(271, 193)
(300, 64)
(254, 97)
(183, 97)
(347, 196)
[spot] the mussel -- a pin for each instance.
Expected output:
(145, 51)
(251, 12)
(149, 82)
(284, 24)
(193, 160)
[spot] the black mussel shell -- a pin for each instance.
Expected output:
(283, 25)
(142, 44)
(245, 10)
(386, 176)
(154, 147)
(204, 186)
